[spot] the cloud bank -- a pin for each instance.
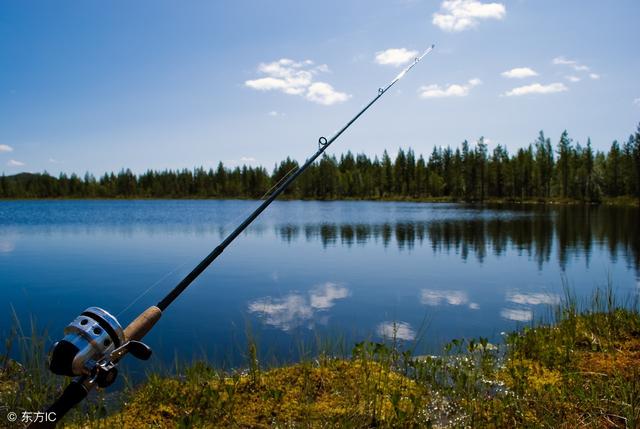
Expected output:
(460, 15)
(297, 78)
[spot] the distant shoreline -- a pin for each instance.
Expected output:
(626, 201)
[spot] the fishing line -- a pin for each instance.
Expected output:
(157, 282)
(279, 182)
(224, 228)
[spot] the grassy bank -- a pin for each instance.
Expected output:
(580, 369)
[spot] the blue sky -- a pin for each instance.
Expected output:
(99, 86)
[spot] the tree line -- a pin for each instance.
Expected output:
(469, 172)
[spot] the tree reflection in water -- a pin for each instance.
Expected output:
(572, 230)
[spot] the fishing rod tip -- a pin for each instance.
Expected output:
(433, 45)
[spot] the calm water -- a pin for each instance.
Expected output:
(331, 269)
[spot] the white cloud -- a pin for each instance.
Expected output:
(14, 163)
(296, 78)
(517, 315)
(562, 61)
(54, 161)
(323, 93)
(247, 159)
(273, 113)
(434, 297)
(460, 15)
(5, 148)
(395, 56)
(594, 76)
(637, 101)
(573, 79)
(519, 73)
(397, 330)
(537, 88)
(453, 90)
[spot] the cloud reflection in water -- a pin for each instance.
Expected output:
(533, 298)
(397, 330)
(526, 301)
(517, 315)
(6, 246)
(435, 297)
(296, 309)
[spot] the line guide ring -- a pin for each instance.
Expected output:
(322, 142)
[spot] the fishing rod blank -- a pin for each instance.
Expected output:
(323, 144)
(95, 342)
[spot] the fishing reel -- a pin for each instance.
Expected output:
(93, 344)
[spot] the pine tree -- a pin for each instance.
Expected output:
(564, 162)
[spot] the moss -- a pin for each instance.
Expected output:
(336, 391)
(583, 371)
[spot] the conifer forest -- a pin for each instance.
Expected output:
(544, 169)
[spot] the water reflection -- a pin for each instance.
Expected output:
(533, 298)
(525, 301)
(542, 232)
(396, 258)
(6, 246)
(396, 330)
(295, 309)
(517, 314)
(434, 297)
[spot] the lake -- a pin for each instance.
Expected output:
(342, 271)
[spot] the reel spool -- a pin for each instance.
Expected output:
(88, 339)
(93, 344)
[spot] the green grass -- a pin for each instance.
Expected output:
(579, 368)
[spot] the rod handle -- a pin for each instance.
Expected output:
(72, 395)
(142, 324)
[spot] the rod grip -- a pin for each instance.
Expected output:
(142, 324)
(72, 395)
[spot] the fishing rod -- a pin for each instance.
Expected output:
(94, 342)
